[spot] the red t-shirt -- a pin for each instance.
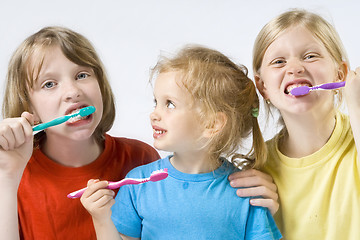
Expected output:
(44, 210)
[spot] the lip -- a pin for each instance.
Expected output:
(156, 133)
(74, 107)
(80, 122)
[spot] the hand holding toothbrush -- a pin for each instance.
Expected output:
(97, 197)
(16, 139)
(16, 145)
(352, 91)
(351, 95)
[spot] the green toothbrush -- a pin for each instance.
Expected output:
(82, 113)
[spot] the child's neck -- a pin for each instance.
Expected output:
(306, 135)
(193, 162)
(72, 153)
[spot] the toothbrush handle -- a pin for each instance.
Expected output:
(333, 85)
(54, 122)
(112, 185)
(126, 181)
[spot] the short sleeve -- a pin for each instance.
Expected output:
(124, 214)
(261, 225)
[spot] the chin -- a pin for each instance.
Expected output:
(161, 147)
(82, 135)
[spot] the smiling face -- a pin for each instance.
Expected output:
(175, 118)
(61, 88)
(294, 59)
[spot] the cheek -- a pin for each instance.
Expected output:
(43, 111)
(95, 94)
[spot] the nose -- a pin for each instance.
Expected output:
(295, 66)
(71, 90)
(155, 115)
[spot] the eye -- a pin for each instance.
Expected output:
(278, 62)
(155, 103)
(82, 75)
(170, 104)
(311, 56)
(48, 84)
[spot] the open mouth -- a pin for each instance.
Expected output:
(292, 86)
(157, 132)
(77, 117)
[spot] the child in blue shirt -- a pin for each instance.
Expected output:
(205, 107)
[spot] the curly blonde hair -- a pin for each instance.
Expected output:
(220, 86)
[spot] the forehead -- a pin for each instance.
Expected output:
(35, 62)
(171, 84)
(169, 81)
(295, 38)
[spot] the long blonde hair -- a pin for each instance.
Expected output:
(24, 69)
(220, 86)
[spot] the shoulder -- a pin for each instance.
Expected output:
(146, 170)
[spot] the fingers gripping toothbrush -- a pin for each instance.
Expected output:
(79, 114)
(154, 177)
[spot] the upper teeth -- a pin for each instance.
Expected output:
(73, 111)
(159, 131)
(76, 118)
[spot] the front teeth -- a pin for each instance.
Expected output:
(76, 118)
(159, 131)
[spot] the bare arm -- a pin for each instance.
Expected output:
(254, 183)
(16, 145)
(98, 201)
(352, 91)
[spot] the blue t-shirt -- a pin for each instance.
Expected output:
(188, 206)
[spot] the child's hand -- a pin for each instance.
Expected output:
(254, 183)
(16, 145)
(352, 90)
(98, 200)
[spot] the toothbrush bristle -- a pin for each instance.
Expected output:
(81, 114)
(159, 175)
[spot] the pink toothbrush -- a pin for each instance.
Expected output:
(154, 177)
(303, 90)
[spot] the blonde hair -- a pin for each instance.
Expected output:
(317, 25)
(26, 64)
(220, 86)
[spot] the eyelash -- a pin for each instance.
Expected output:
(306, 57)
(46, 83)
(168, 104)
(82, 73)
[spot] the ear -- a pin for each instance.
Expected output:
(215, 127)
(342, 72)
(260, 85)
(37, 119)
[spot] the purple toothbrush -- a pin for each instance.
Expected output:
(303, 90)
